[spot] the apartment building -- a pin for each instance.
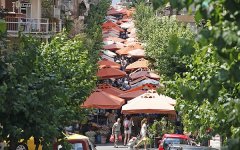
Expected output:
(40, 17)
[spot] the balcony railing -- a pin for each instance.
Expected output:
(32, 26)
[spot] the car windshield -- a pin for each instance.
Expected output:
(77, 146)
(175, 141)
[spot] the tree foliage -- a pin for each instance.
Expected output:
(163, 38)
(43, 85)
(42, 88)
(208, 91)
(96, 16)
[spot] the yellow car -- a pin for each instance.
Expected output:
(28, 146)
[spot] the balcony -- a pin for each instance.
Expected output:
(42, 26)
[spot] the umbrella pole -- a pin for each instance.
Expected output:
(97, 116)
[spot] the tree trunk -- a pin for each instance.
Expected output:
(13, 143)
(37, 143)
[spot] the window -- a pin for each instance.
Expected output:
(77, 146)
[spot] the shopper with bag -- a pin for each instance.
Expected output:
(127, 123)
(116, 131)
(143, 134)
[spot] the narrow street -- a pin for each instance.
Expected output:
(109, 146)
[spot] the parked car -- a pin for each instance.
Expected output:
(78, 142)
(168, 139)
(188, 147)
(27, 146)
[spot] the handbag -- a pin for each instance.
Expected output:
(112, 139)
(120, 138)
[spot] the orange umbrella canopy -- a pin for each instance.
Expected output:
(108, 72)
(108, 24)
(143, 73)
(113, 12)
(141, 63)
(132, 94)
(113, 47)
(110, 89)
(103, 100)
(148, 103)
(114, 39)
(147, 86)
(105, 62)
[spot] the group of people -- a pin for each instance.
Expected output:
(128, 124)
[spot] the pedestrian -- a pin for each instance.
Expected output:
(143, 134)
(127, 123)
(116, 131)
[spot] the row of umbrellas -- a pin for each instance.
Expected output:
(142, 97)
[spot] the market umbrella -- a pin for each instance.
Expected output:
(109, 53)
(108, 42)
(124, 50)
(103, 100)
(132, 94)
(140, 63)
(144, 86)
(143, 73)
(108, 72)
(112, 30)
(114, 39)
(105, 62)
(113, 47)
(137, 53)
(108, 24)
(113, 12)
(103, 56)
(161, 97)
(144, 80)
(127, 25)
(117, 28)
(168, 99)
(110, 34)
(147, 103)
(110, 89)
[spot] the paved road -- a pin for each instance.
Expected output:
(110, 147)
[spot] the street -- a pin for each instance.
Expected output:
(109, 146)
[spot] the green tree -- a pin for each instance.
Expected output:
(42, 88)
(165, 41)
(208, 93)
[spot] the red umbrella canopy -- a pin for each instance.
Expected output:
(102, 100)
(132, 94)
(110, 89)
(143, 73)
(109, 24)
(109, 72)
(113, 12)
(113, 47)
(144, 87)
(105, 62)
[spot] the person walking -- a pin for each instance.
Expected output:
(143, 134)
(116, 131)
(127, 123)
